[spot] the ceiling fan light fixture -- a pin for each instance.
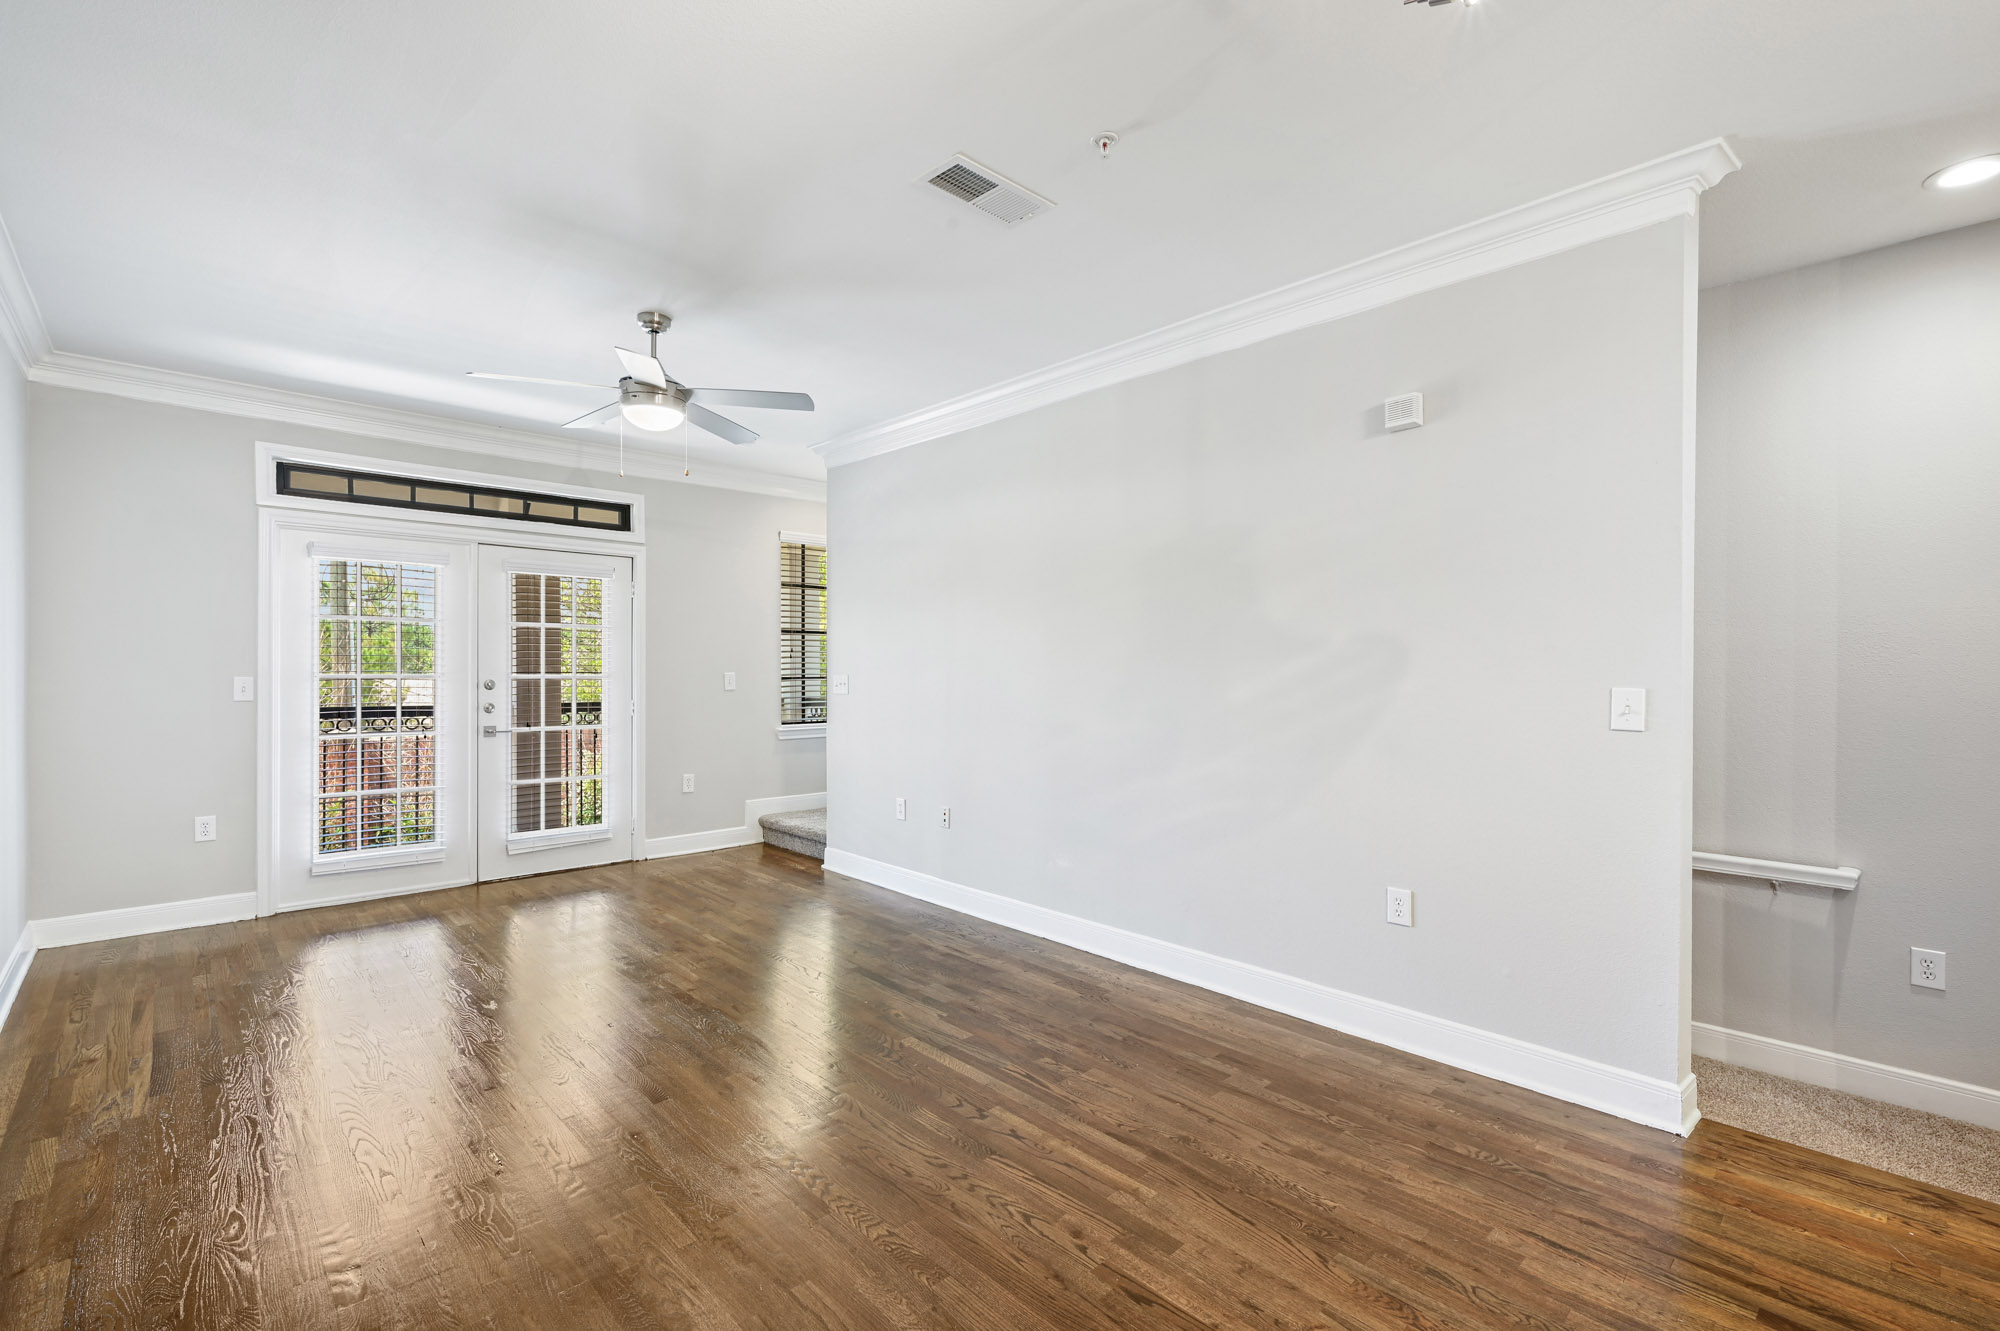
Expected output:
(1974, 171)
(649, 408)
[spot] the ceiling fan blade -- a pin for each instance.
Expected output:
(644, 368)
(602, 416)
(720, 425)
(751, 397)
(530, 379)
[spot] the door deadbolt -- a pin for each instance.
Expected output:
(486, 684)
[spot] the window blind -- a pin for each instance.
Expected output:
(801, 634)
(376, 637)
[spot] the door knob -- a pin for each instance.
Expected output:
(486, 684)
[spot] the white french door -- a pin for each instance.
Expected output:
(443, 711)
(554, 710)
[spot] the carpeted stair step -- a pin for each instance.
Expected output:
(802, 831)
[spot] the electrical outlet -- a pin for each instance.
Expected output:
(944, 817)
(204, 827)
(837, 683)
(687, 783)
(1927, 968)
(1402, 906)
(246, 689)
(729, 681)
(902, 809)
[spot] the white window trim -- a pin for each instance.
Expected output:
(529, 533)
(520, 843)
(354, 861)
(803, 730)
(800, 538)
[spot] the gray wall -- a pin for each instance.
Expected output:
(13, 652)
(142, 572)
(1849, 648)
(1209, 657)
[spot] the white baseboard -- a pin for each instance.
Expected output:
(16, 970)
(1653, 1101)
(95, 927)
(693, 843)
(721, 838)
(1856, 1076)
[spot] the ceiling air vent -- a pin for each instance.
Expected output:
(988, 191)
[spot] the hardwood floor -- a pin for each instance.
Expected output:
(723, 1091)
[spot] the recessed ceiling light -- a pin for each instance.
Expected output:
(1976, 171)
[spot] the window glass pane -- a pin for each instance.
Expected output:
(336, 646)
(419, 592)
(528, 756)
(378, 647)
(527, 598)
(379, 619)
(378, 589)
(419, 649)
(527, 651)
(802, 633)
(336, 707)
(557, 691)
(336, 587)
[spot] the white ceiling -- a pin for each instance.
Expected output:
(366, 199)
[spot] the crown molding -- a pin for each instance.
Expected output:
(21, 327)
(1626, 201)
(62, 369)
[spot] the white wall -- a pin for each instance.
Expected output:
(1849, 650)
(1209, 657)
(142, 577)
(13, 656)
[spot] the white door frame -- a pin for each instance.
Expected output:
(278, 513)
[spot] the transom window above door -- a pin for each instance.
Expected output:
(376, 642)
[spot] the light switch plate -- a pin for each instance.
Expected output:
(728, 679)
(246, 689)
(1628, 709)
(839, 683)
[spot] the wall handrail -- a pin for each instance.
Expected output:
(1777, 871)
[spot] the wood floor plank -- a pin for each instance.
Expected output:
(731, 1092)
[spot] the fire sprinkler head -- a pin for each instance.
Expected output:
(1105, 142)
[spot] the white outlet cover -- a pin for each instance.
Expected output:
(1926, 968)
(728, 679)
(687, 783)
(902, 810)
(245, 689)
(1400, 907)
(204, 827)
(838, 683)
(944, 816)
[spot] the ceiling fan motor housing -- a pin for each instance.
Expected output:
(641, 394)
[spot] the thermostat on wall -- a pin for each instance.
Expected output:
(1403, 413)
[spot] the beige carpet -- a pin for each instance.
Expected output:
(1940, 1151)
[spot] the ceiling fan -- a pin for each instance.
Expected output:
(649, 398)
